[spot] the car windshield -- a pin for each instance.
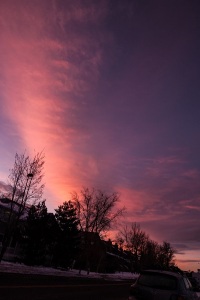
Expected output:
(159, 281)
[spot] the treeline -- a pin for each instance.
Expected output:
(146, 253)
(73, 235)
(72, 238)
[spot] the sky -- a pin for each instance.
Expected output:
(109, 90)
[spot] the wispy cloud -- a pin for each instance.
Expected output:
(109, 91)
(44, 72)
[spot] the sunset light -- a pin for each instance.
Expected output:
(109, 91)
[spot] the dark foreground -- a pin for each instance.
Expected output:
(37, 287)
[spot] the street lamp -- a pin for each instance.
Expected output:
(30, 175)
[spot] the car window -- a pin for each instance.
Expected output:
(159, 281)
(187, 284)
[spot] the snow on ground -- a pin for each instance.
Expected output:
(10, 267)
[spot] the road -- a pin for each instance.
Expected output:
(34, 287)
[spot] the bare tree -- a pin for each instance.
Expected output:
(26, 187)
(96, 209)
(134, 238)
(146, 252)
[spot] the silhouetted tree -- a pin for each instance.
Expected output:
(166, 255)
(96, 211)
(38, 234)
(68, 235)
(134, 240)
(146, 252)
(149, 255)
(25, 181)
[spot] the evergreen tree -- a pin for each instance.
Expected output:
(40, 233)
(68, 235)
(166, 255)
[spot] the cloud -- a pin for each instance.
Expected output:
(196, 208)
(164, 194)
(45, 76)
(104, 91)
(4, 188)
(188, 260)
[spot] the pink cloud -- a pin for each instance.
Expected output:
(197, 208)
(42, 74)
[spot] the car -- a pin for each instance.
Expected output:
(194, 283)
(162, 285)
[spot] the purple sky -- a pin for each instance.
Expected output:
(110, 90)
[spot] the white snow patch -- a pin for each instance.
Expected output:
(9, 267)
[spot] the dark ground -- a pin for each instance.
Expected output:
(40, 287)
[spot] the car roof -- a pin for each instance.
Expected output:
(169, 273)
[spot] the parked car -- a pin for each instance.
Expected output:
(194, 283)
(162, 285)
